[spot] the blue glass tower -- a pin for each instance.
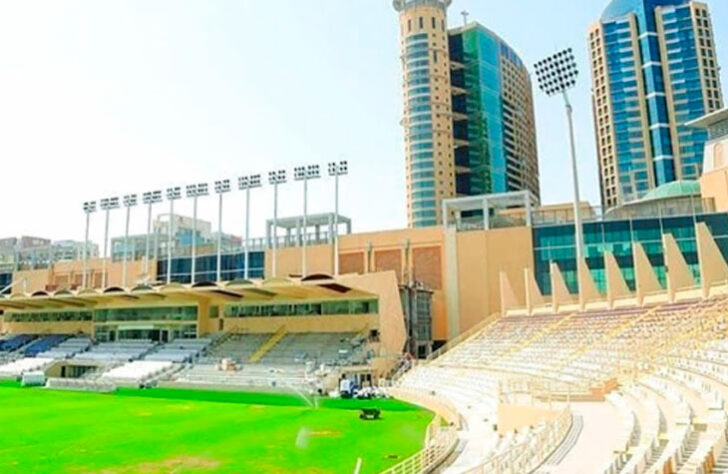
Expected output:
(654, 69)
(493, 117)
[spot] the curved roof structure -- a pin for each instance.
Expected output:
(673, 190)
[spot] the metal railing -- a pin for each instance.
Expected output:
(531, 452)
(438, 449)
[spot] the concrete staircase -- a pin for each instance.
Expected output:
(268, 345)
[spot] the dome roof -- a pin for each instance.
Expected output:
(672, 190)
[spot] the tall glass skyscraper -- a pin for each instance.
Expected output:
(493, 118)
(654, 68)
(468, 112)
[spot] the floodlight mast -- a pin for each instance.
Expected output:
(337, 169)
(130, 200)
(221, 187)
(246, 183)
(107, 205)
(556, 75)
(305, 173)
(89, 207)
(149, 198)
(275, 178)
(195, 191)
(173, 194)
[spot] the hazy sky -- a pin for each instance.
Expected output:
(101, 98)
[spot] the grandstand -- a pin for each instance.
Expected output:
(138, 372)
(644, 389)
(120, 351)
(68, 348)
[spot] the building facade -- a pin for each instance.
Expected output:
(183, 228)
(427, 120)
(654, 68)
(468, 112)
(36, 252)
(493, 115)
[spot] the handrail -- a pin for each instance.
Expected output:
(531, 452)
(438, 449)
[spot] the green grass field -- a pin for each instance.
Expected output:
(161, 430)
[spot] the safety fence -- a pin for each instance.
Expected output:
(531, 452)
(438, 449)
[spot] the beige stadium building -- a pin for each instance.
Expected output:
(521, 258)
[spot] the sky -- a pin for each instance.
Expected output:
(102, 98)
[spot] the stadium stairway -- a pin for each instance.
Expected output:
(268, 345)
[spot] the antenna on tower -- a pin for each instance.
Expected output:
(465, 15)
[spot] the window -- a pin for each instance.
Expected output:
(313, 308)
(422, 23)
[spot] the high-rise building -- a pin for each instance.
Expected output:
(654, 68)
(468, 112)
(493, 117)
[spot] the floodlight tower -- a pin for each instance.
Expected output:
(149, 198)
(246, 183)
(221, 188)
(195, 191)
(305, 173)
(130, 200)
(173, 194)
(89, 207)
(107, 205)
(337, 169)
(556, 75)
(275, 178)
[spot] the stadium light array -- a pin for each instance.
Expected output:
(107, 205)
(556, 75)
(195, 191)
(130, 200)
(222, 187)
(89, 207)
(305, 173)
(149, 198)
(337, 169)
(275, 178)
(173, 194)
(246, 183)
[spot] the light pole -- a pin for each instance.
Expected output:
(107, 205)
(195, 191)
(305, 173)
(173, 194)
(337, 169)
(221, 187)
(556, 75)
(130, 200)
(149, 198)
(275, 178)
(246, 183)
(89, 207)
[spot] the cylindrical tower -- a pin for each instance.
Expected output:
(427, 118)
